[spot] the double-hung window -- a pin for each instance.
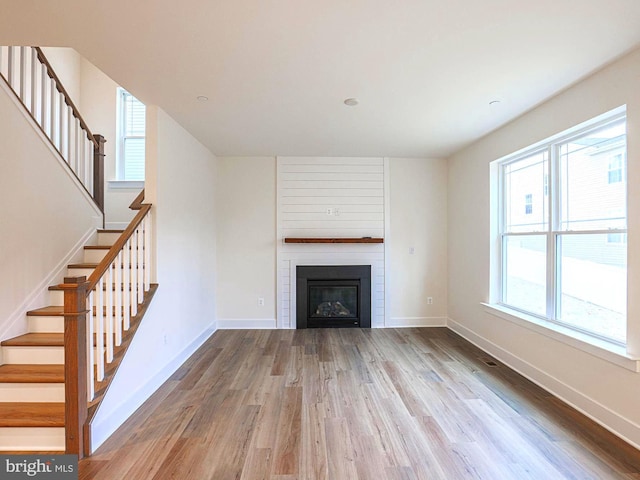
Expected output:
(563, 224)
(132, 137)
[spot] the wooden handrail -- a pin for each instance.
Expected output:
(137, 202)
(63, 91)
(111, 255)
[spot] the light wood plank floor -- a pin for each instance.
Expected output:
(347, 404)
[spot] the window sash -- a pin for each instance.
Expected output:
(553, 231)
(132, 121)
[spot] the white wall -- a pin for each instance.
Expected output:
(601, 389)
(417, 223)
(181, 179)
(246, 241)
(95, 95)
(44, 216)
(99, 95)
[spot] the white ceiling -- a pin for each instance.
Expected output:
(277, 71)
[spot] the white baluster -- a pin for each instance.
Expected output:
(44, 100)
(22, 79)
(118, 299)
(34, 83)
(132, 273)
(10, 56)
(109, 312)
(99, 344)
(90, 352)
(126, 283)
(140, 262)
(147, 251)
(53, 99)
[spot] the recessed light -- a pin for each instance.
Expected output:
(351, 102)
(202, 98)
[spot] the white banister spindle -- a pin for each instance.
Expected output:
(147, 251)
(53, 98)
(117, 318)
(62, 125)
(10, 56)
(44, 101)
(140, 263)
(131, 271)
(90, 352)
(99, 336)
(109, 312)
(126, 284)
(22, 78)
(34, 82)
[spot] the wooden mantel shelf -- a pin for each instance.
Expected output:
(333, 240)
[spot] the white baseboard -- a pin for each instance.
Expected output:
(400, 322)
(620, 426)
(247, 323)
(102, 430)
(16, 323)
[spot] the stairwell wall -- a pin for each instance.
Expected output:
(180, 180)
(45, 216)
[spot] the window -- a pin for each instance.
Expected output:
(564, 256)
(615, 168)
(132, 131)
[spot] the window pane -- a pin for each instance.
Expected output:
(592, 170)
(134, 158)
(593, 283)
(525, 273)
(526, 194)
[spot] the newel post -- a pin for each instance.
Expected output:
(75, 363)
(98, 170)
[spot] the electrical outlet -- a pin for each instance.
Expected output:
(329, 211)
(429, 300)
(336, 212)
(164, 339)
(261, 301)
(412, 250)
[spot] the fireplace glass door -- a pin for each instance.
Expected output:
(333, 302)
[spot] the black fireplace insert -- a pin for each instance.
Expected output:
(333, 296)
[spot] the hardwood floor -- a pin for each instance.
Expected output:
(343, 404)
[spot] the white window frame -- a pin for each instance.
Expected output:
(121, 180)
(552, 232)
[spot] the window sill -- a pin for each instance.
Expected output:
(125, 184)
(598, 348)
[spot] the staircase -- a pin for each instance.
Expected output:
(32, 390)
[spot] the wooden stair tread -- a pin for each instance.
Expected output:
(36, 340)
(50, 311)
(97, 247)
(31, 373)
(106, 230)
(31, 414)
(82, 265)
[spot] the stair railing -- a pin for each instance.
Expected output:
(29, 74)
(98, 312)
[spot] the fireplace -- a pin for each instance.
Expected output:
(333, 296)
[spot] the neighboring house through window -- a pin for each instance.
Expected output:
(565, 261)
(131, 149)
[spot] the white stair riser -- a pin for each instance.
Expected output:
(107, 238)
(79, 272)
(31, 392)
(26, 439)
(56, 297)
(34, 355)
(53, 324)
(46, 324)
(94, 256)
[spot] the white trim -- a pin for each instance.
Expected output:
(125, 184)
(386, 249)
(402, 322)
(102, 430)
(620, 426)
(279, 244)
(594, 346)
(39, 295)
(247, 323)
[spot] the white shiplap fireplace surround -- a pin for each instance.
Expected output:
(330, 197)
